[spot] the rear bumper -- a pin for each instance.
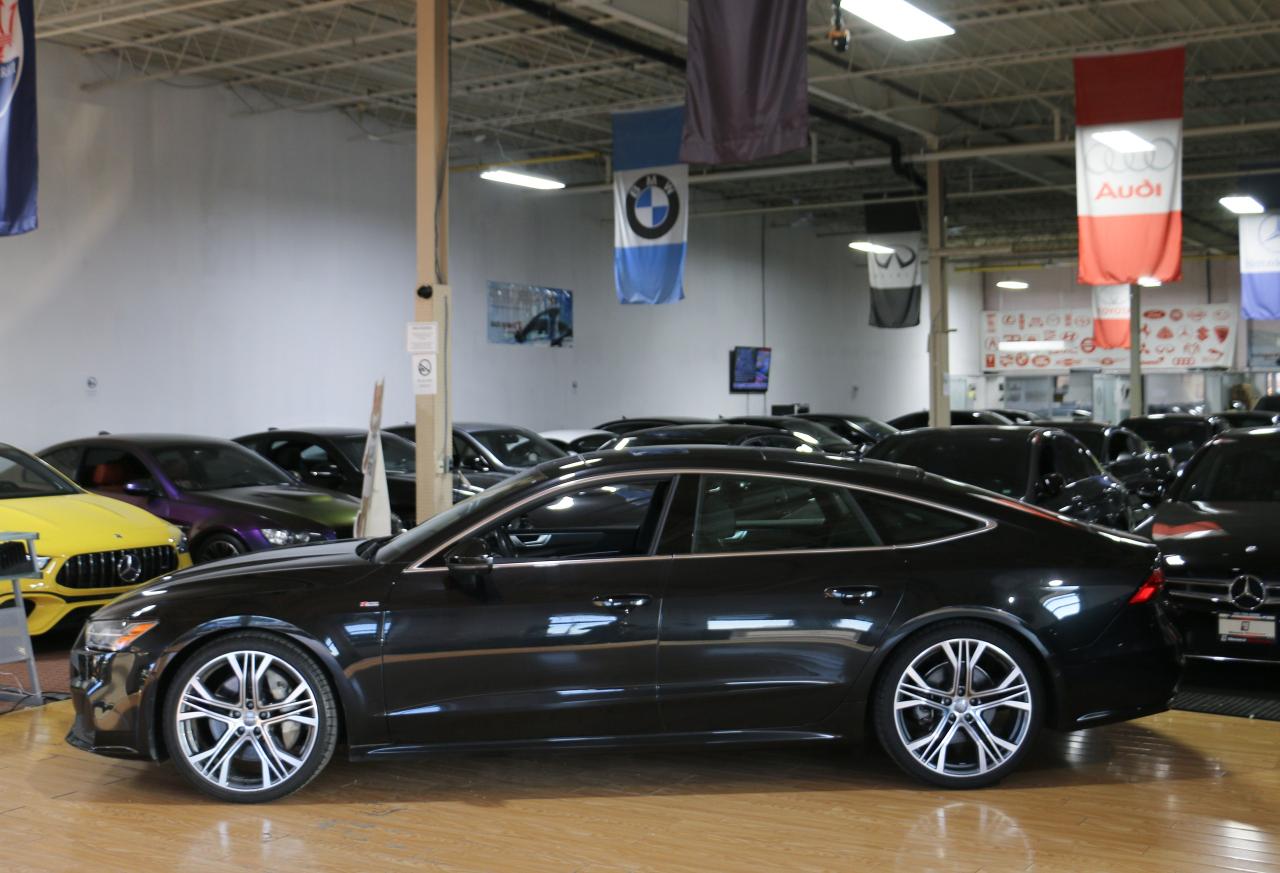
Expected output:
(1131, 671)
(108, 693)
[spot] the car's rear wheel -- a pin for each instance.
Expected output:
(215, 547)
(959, 705)
(250, 717)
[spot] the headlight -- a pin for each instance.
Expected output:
(280, 537)
(114, 636)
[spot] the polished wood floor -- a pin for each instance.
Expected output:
(1176, 792)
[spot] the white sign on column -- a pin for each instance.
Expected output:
(424, 373)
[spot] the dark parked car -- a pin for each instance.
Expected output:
(1217, 530)
(710, 434)
(488, 453)
(1124, 455)
(819, 436)
(1017, 416)
(1268, 403)
(1246, 418)
(643, 598)
(330, 457)
(625, 425)
(1177, 433)
(1041, 466)
(227, 499)
(859, 430)
(575, 442)
(913, 420)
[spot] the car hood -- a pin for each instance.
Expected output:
(306, 565)
(286, 504)
(71, 524)
(1218, 540)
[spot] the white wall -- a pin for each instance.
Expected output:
(218, 273)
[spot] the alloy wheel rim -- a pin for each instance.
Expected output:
(962, 708)
(247, 721)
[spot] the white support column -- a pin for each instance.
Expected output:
(432, 413)
(939, 322)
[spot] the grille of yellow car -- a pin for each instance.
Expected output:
(117, 568)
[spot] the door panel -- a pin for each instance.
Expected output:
(524, 655)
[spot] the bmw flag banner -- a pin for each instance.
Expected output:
(17, 117)
(1260, 266)
(650, 206)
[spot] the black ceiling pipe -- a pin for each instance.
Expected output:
(553, 15)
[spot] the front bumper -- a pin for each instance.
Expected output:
(1198, 624)
(108, 691)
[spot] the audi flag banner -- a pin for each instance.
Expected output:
(1129, 166)
(17, 117)
(746, 81)
(1260, 266)
(1111, 316)
(650, 206)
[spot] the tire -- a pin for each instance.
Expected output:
(216, 736)
(216, 547)
(944, 739)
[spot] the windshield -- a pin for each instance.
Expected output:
(518, 448)
(877, 429)
(993, 463)
(1246, 471)
(1167, 434)
(397, 452)
(214, 466)
(412, 543)
(24, 476)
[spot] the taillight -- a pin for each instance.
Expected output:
(1149, 588)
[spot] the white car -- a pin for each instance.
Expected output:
(577, 441)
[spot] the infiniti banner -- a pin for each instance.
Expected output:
(17, 118)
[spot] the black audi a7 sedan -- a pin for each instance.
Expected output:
(1125, 455)
(703, 595)
(1041, 466)
(959, 417)
(1217, 530)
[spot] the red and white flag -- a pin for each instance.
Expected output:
(1111, 316)
(1129, 166)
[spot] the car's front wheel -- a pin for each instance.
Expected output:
(250, 717)
(958, 705)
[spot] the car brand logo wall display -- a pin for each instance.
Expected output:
(1269, 232)
(653, 206)
(1247, 592)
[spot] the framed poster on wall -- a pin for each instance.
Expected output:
(530, 315)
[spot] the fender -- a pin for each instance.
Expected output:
(372, 727)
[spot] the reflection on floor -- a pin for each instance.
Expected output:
(1177, 793)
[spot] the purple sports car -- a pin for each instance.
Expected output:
(226, 498)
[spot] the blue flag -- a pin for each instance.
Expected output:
(17, 117)
(650, 206)
(1260, 266)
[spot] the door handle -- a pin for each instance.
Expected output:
(621, 601)
(847, 594)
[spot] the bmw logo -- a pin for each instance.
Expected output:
(653, 205)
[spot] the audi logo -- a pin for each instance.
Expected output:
(1100, 158)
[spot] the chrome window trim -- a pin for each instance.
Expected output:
(985, 524)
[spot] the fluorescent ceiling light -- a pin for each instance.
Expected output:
(1149, 282)
(1242, 204)
(871, 248)
(1123, 141)
(524, 180)
(898, 17)
(1033, 346)
(1013, 285)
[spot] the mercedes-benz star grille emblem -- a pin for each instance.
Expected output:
(1247, 592)
(128, 568)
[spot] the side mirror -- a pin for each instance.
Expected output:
(141, 488)
(1052, 485)
(470, 558)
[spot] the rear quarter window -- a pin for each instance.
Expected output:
(904, 522)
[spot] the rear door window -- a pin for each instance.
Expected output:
(742, 513)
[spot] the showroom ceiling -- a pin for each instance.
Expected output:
(526, 86)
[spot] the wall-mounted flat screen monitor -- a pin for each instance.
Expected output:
(749, 369)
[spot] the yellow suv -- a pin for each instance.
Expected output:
(91, 548)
